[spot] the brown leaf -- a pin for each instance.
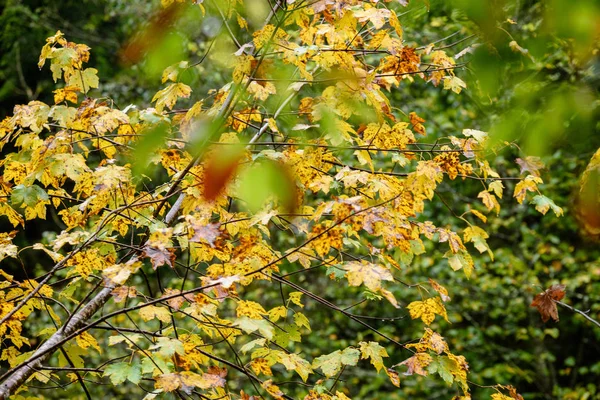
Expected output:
(160, 257)
(546, 302)
(531, 165)
(417, 363)
(207, 233)
(216, 376)
(120, 293)
(174, 302)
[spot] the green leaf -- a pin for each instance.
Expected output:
(288, 333)
(249, 325)
(27, 196)
(250, 345)
(168, 347)
(461, 260)
(444, 367)
(144, 152)
(301, 320)
(149, 365)
(264, 181)
(332, 363)
(543, 204)
(121, 372)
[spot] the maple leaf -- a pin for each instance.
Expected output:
(454, 83)
(67, 93)
(159, 256)
(250, 309)
(479, 136)
(7, 249)
(461, 260)
(373, 351)
(86, 340)
(151, 312)
(543, 204)
(528, 184)
(376, 16)
(32, 199)
(261, 366)
(530, 164)
(366, 273)
(273, 389)
(500, 396)
(206, 233)
(417, 123)
(332, 363)
(497, 187)
(83, 80)
(121, 372)
(293, 362)
(477, 236)
(173, 302)
(489, 200)
(427, 310)
(250, 325)
(417, 363)
(120, 293)
(546, 302)
(168, 96)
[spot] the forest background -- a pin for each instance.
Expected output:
(533, 81)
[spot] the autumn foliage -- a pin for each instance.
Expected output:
(180, 231)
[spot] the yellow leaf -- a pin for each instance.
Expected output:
(83, 80)
(529, 184)
(277, 312)
(376, 16)
(461, 260)
(86, 340)
(266, 34)
(167, 382)
(427, 310)
(67, 93)
(373, 351)
(272, 389)
(443, 292)
(294, 297)
(489, 200)
(261, 366)
(293, 362)
(151, 312)
(168, 96)
(366, 273)
(250, 309)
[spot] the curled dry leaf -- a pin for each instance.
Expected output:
(546, 302)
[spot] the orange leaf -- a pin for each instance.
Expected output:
(219, 169)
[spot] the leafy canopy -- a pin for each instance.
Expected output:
(189, 227)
